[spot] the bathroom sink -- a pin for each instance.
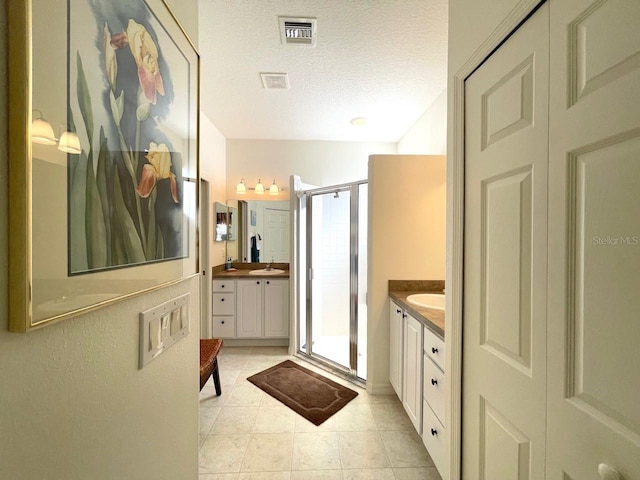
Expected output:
(427, 300)
(262, 271)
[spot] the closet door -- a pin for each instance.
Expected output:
(505, 274)
(594, 248)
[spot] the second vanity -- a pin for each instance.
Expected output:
(416, 364)
(251, 303)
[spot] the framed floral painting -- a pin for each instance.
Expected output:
(103, 154)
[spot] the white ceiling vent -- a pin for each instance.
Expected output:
(298, 31)
(275, 81)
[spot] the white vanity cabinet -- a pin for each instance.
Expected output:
(416, 373)
(224, 308)
(405, 361)
(253, 308)
(412, 367)
(276, 308)
(395, 337)
(433, 428)
(249, 307)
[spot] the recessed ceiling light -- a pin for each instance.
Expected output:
(359, 121)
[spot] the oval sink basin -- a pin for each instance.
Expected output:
(427, 300)
(262, 271)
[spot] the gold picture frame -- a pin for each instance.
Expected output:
(103, 155)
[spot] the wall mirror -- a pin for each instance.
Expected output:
(220, 220)
(262, 231)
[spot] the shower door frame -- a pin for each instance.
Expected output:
(349, 372)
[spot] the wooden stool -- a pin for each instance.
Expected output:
(209, 349)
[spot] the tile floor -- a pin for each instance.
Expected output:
(245, 434)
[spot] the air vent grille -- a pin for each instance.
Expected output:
(275, 81)
(297, 31)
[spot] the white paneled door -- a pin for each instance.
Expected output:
(594, 246)
(505, 254)
(276, 235)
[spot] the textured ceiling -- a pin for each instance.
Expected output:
(382, 59)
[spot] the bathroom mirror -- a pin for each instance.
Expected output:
(220, 220)
(262, 231)
(232, 224)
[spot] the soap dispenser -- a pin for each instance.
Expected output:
(228, 264)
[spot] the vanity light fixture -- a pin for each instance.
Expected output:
(69, 141)
(41, 131)
(259, 189)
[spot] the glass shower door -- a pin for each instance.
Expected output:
(332, 326)
(330, 256)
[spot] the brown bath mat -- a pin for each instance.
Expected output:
(310, 394)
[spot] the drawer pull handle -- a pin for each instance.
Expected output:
(222, 286)
(222, 299)
(434, 381)
(434, 350)
(404, 315)
(434, 432)
(267, 283)
(398, 311)
(222, 322)
(258, 283)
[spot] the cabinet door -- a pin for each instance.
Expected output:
(412, 392)
(276, 308)
(395, 347)
(249, 308)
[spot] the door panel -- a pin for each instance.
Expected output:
(504, 333)
(594, 248)
(505, 319)
(412, 387)
(276, 235)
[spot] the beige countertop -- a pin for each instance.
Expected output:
(241, 271)
(431, 318)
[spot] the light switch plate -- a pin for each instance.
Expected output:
(162, 326)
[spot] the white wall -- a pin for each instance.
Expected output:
(316, 162)
(74, 404)
(213, 168)
(407, 195)
(428, 136)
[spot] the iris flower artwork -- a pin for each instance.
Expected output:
(126, 186)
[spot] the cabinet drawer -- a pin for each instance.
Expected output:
(224, 327)
(433, 437)
(434, 388)
(223, 304)
(224, 286)
(434, 347)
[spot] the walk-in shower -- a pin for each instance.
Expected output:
(332, 256)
